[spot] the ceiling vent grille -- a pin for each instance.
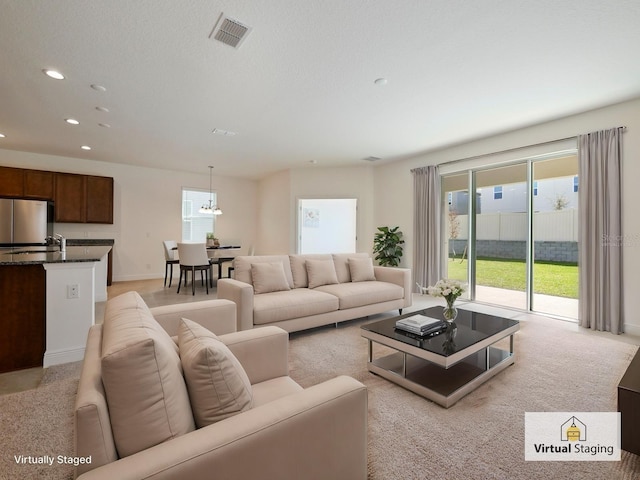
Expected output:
(229, 31)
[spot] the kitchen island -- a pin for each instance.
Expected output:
(47, 303)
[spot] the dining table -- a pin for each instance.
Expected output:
(219, 254)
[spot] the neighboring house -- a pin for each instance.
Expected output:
(548, 195)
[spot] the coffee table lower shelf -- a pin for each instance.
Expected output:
(445, 386)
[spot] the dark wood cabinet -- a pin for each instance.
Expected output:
(11, 182)
(70, 198)
(38, 184)
(78, 198)
(99, 199)
(23, 319)
(629, 406)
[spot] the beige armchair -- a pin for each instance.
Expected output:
(290, 433)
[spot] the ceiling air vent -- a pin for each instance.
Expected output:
(372, 159)
(229, 31)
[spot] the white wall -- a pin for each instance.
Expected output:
(147, 209)
(274, 223)
(343, 182)
(279, 194)
(394, 183)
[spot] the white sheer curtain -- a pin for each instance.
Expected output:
(426, 225)
(600, 231)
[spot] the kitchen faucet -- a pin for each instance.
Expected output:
(58, 239)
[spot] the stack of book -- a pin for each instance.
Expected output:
(421, 325)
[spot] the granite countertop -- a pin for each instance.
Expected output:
(52, 254)
(89, 241)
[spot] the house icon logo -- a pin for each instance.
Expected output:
(573, 430)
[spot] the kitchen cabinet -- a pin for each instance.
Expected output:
(11, 182)
(99, 199)
(78, 198)
(70, 198)
(23, 319)
(38, 184)
(83, 198)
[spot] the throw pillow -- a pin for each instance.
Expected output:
(142, 376)
(321, 272)
(269, 277)
(218, 385)
(361, 269)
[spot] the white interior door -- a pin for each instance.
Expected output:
(327, 225)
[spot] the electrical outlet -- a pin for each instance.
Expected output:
(72, 291)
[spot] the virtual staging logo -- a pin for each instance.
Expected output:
(564, 436)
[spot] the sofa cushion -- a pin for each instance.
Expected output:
(299, 267)
(93, 435)
(270, 390)
(242, 266)
(321, 272)
(341, 262)
(361, 269)
(358, 294)
(218, 385)
(142, 377)
(296, 303)
(269, 277)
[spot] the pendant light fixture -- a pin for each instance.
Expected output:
(210, 208)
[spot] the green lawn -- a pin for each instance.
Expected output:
(560, 280)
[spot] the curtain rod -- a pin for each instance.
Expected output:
(474, 157)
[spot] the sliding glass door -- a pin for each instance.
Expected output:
(555, 221)
(501, 236)
(515, 239)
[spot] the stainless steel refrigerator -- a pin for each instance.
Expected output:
(25, 222)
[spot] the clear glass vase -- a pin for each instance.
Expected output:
(450, 312)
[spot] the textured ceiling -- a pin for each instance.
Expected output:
(301, 86)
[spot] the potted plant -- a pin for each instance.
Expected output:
(212, 240)
(387, 246)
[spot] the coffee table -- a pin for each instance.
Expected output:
(447, 366)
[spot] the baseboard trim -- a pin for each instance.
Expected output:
(632, 330)
(131, 278)
(63, 356)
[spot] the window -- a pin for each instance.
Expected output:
(535, 189)
(196, 225)
(497, 192)
(575, 183)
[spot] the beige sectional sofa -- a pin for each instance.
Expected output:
(297, 292)
(161, 396)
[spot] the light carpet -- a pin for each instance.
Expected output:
(481, 437)
(557, 368)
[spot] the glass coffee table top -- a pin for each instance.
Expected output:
(469, 328)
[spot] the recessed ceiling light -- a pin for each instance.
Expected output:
(102, 109)
(2, 135)
(380, 81)
(72, 121)
(85, 147)
(53, 74)
(105, 125)
(100, 88)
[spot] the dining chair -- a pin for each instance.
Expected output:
(171, 259)
(193, 257)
